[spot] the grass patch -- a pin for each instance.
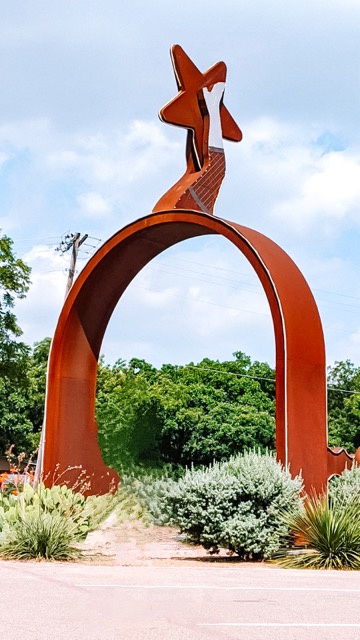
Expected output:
(48, 536)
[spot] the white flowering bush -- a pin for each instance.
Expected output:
(237, 505)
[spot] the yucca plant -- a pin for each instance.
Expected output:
(46, 536)
(330, 532)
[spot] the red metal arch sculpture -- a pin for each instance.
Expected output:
(71, 434)
(185, 211)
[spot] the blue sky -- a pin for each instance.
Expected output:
(82, 149)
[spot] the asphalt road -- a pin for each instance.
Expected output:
(47, 601)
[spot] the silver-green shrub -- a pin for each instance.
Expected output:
(236, 505)
(151, 489)
(344, 489)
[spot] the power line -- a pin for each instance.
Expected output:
(251, 275)
(323, 303)
(217, 304)
(248, 375)
(214, 304)
(253, 377)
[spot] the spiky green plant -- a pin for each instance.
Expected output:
(46, 536)
(330, 531)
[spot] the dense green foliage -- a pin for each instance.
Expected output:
(198, 413)
(191, 414)
(234, 505)
(185, 415)
(344, 405)
(14, 283)
(22, 370)
(22, 401)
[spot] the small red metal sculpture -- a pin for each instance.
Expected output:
(185, 211)
(199, 108)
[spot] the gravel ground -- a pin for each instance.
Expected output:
(133, 543)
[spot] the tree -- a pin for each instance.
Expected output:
(186, 415)
(36, 382)
(125, 414)
(214, 409)
(22, 370)
(344, 405)
(22, 401)
(343, 377)
(14, 283)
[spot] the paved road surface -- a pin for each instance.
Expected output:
(41, 601)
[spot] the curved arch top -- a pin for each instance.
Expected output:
(301, 438)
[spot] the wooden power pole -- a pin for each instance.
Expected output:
(71, 241)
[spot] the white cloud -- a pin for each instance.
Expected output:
(4, 157)
(81, 149)
(287, 182)
(120, 157)
(329, 191)
(93, 204)
(38, 312)
(192, 302)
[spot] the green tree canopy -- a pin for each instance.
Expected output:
(14, 283)
(191, 414)
(344, 405)
(22, 401)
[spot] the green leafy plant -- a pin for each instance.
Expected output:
(47, 535)
(183, 415)
(235, 505)
(46, 522)
(330, 529)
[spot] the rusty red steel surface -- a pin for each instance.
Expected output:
(301, 438)
(185, 211)
(200, 109)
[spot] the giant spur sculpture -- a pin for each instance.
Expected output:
(186, 211)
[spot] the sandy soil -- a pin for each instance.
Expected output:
(133, 543)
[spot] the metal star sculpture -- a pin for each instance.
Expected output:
(200, 109)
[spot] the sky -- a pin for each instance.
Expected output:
(82, 150)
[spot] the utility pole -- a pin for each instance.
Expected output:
(71, 241)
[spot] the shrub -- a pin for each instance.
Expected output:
(33, 502)
(47, 535)
(331, 531)
(236, 505)
(346, 487)
(151, 489)
(47, 521)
